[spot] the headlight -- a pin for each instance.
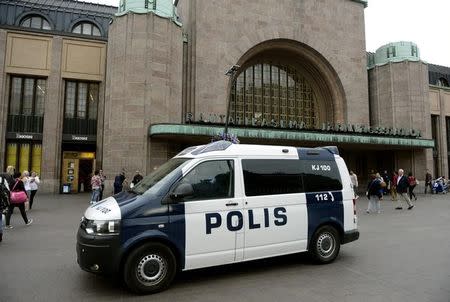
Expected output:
(100, 227)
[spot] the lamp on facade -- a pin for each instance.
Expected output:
(230, 73)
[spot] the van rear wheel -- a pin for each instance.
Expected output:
(150, 268)
(325, 245)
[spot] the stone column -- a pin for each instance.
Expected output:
(53, 119)
(143, 87)
(3, 99)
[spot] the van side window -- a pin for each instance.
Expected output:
(321, 175)
(211, 180)
(271, 176)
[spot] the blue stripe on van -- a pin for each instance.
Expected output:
(177, 229)
(324, 207)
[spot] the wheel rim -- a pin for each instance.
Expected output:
(151, 269)
(326, 245)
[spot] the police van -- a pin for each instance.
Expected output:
(218, 204)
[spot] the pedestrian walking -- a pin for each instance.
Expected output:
(103, 179)
(9, 175)
(4, 202)
(96, 184)
(394, 186)
(26, 182)
(136, 179)
(387, 181)
(374, 194)
(34, 183)
(354, 179)
(402, 190)
(428, 182)
(412, 182)
(118, 182)
(18, 197)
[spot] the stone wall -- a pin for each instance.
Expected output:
(144, 79)
(220, 33)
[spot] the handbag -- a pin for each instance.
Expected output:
(18, 197)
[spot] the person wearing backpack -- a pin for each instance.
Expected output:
(18, 197)
(4, 202)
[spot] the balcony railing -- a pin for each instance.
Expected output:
(80, 126)
(25, 123)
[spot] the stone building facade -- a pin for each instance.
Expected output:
(285, 72)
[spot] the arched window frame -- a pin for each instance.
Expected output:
(278, 99)
(83, 23)
(29, 16)
(442, 82)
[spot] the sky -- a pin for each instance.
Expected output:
(424, 22)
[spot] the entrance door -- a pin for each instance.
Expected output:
(85, 171)
(213, 215)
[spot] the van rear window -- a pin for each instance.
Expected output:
(321, 175)
(271, 176)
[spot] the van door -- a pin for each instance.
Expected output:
(213, 215)
(277, 220)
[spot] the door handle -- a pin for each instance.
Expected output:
(230, 204)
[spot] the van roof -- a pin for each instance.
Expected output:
(225, 148)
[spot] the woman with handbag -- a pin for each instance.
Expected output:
(17, 198)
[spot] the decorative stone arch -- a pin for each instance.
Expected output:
(321, 75)
(26, 14)
(87, 20)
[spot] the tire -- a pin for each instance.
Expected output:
(150, 268)
(325, 245)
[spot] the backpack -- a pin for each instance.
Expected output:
(4, 195)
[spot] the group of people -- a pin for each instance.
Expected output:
(16, 190)
(400, 186)
(120, 184)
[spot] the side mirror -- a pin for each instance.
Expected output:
(181, 191)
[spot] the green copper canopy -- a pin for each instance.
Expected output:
(394, 52)
(162, 8)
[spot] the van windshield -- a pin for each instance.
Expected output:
(156, 176)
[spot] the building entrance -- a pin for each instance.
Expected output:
(77, 170)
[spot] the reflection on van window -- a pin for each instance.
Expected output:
(272, 176)
(153, 178)
(211, 180)
(321, 175)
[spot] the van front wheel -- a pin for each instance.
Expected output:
(150, 268)
(325, 244)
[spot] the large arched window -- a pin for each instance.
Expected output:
(35, 21)
(273, 92)
(86, 28)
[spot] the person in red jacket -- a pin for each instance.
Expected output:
(412, 184)
(394, 186)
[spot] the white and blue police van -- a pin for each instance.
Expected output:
(219, 204)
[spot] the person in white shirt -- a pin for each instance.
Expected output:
(34, 183)
(26, 182)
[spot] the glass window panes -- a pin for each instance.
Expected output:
(70, 99)
(36, 22)
(40, 97)
(93, 101)
(211, 180)
(271, 176)
(28, 91)
(16, 95)
(24, 156)
(86, 28)
(273, 92)
(95, 31)
(81, 101)
(320, 175)
(77, 29)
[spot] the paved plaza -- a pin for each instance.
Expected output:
(400, 256)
